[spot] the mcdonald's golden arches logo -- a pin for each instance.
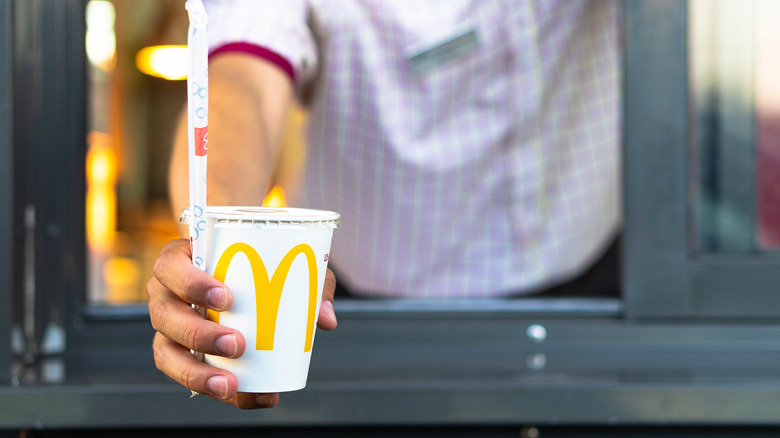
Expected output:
(268, 292)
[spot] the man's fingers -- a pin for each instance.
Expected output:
(179, 322)
(180, 365)
(327, 317)
(176, 284)
(174, 270)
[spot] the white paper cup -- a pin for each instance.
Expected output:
(274, 261)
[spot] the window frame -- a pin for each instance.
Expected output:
(6, 194)
(664, 274)
(48, 73)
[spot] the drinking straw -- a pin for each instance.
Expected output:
(197, 133)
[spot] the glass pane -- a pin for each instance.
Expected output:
(735, 118)
(137, 55)
(128, 220)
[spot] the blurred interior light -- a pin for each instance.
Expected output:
(101, 167)
(101, 38)
(122, 276)
(167, 62)
(275, 198)
(101, 197)
(121, 271)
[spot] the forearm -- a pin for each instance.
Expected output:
(248, 103)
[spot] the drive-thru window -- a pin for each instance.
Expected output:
(692, 344)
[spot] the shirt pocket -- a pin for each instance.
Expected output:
(451, 46)
(463, 64)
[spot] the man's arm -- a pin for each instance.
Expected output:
(248, 103)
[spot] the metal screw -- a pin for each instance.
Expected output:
(536, 361)
(536, 333)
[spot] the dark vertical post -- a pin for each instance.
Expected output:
(48, 63)
(656, 157)
(61, 159)
(6, 190)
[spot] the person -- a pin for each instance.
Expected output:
(471, 147)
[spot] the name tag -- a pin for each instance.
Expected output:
(426, 56)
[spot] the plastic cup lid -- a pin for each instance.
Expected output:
(266, 216)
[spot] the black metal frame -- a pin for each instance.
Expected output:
(655, 357)
(452, 367)
(48, 76)
(6, 190)
(655, 112)
(664, 275)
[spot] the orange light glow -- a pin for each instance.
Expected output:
(167, 62)
(275, 198)
(101, 198)
(122, 276)
(101, 167)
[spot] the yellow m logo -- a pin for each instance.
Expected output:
(268, 293)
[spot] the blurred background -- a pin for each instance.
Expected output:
(137, 56)
(734, 60)
(137, 89)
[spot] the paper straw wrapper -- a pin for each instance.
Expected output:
(197, 129)
(197, 125)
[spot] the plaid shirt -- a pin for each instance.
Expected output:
(471, 146)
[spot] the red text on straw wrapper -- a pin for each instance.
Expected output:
(201, 141)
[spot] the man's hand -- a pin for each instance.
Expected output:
(249, 100)
(180, 328)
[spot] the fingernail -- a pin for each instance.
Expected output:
(216, 298)
(227, 345)
(327, 308)
(218, 386)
